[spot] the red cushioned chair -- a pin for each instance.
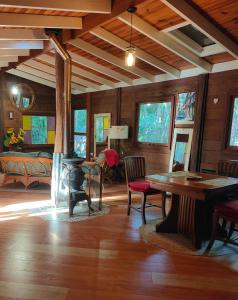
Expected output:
(135, 178)
(228, 211)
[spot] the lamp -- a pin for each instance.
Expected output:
(118, 133)
(130, 57)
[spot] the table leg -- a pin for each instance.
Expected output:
(169, 224)
(189, 217)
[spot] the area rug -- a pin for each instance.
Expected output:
(177, 243)
(62, 214)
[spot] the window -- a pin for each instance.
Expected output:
(233, 140)
(38, 129)
(80, 130)
(154, 122)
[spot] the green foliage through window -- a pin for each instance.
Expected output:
(234, 125)
(154, 122)
(80, 121)
(80, 130)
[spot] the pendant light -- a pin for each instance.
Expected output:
(130, 57)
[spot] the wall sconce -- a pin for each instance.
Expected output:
(11, 115)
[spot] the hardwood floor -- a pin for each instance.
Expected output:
(101, 258)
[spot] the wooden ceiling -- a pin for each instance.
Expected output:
(96, 36)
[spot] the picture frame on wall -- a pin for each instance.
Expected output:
(185, 108)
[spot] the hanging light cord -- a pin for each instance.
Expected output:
(131, 32)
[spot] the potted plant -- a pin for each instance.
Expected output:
(13, 141)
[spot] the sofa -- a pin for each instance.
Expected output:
(26, 167)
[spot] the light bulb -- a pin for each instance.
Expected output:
(130, 58)
(15, 90)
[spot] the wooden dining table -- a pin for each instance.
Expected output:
(192, 199)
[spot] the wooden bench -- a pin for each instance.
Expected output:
(26, 169)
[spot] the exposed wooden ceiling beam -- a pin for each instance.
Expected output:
(39, 21)
(166, 41)
(3, 64)
(32, 53)
(22, 34)
(18, 52)
(99, 68)
(47, 76)
(21, 45)
(188, 12)
(76, 70)
(9, 58)
(186, 41)
(211, 50)
(176, 26)
(106, 56)
(31, 77)
(122, 44)
(195, 47)
(87, 6)
(91, 21)
(74, 79)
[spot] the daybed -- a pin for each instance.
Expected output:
(26, 167)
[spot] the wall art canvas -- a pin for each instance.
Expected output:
(185, 107)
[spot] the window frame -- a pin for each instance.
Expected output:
(80, 133)
(163, 99)
(229, 123)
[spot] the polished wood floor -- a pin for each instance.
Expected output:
(101, 258)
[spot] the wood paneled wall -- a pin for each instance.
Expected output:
(44, 103)
(223, 86)
(157, 157)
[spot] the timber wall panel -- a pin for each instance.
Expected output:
(223, 86)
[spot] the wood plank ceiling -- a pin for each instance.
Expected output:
(96, 36)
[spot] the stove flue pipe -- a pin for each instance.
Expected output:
(67, 92)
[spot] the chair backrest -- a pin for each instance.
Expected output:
(134, 167)
(228, 168)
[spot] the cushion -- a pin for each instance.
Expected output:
(26, 154)
(139, 186)
(230, 208)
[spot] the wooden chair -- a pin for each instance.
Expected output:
(228, 168)
(136, 183)
(227, 208)
(228, 211)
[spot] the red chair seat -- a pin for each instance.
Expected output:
(229, 209)
(139, 186)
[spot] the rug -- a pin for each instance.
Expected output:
(61, 214)
(179, 244)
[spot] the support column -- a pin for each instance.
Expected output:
(56, 186)
(88, 107)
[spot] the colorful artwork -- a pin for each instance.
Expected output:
(185, 107)
(102, 126)
(39, 129)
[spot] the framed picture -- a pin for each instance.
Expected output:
(185, 106)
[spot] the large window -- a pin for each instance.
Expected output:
(233, 140)
(154, 122)
(80, 130)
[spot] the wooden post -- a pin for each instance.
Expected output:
(118, 116)
(56, 192)
(59, 76)
(196, 151)
(88, 136)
